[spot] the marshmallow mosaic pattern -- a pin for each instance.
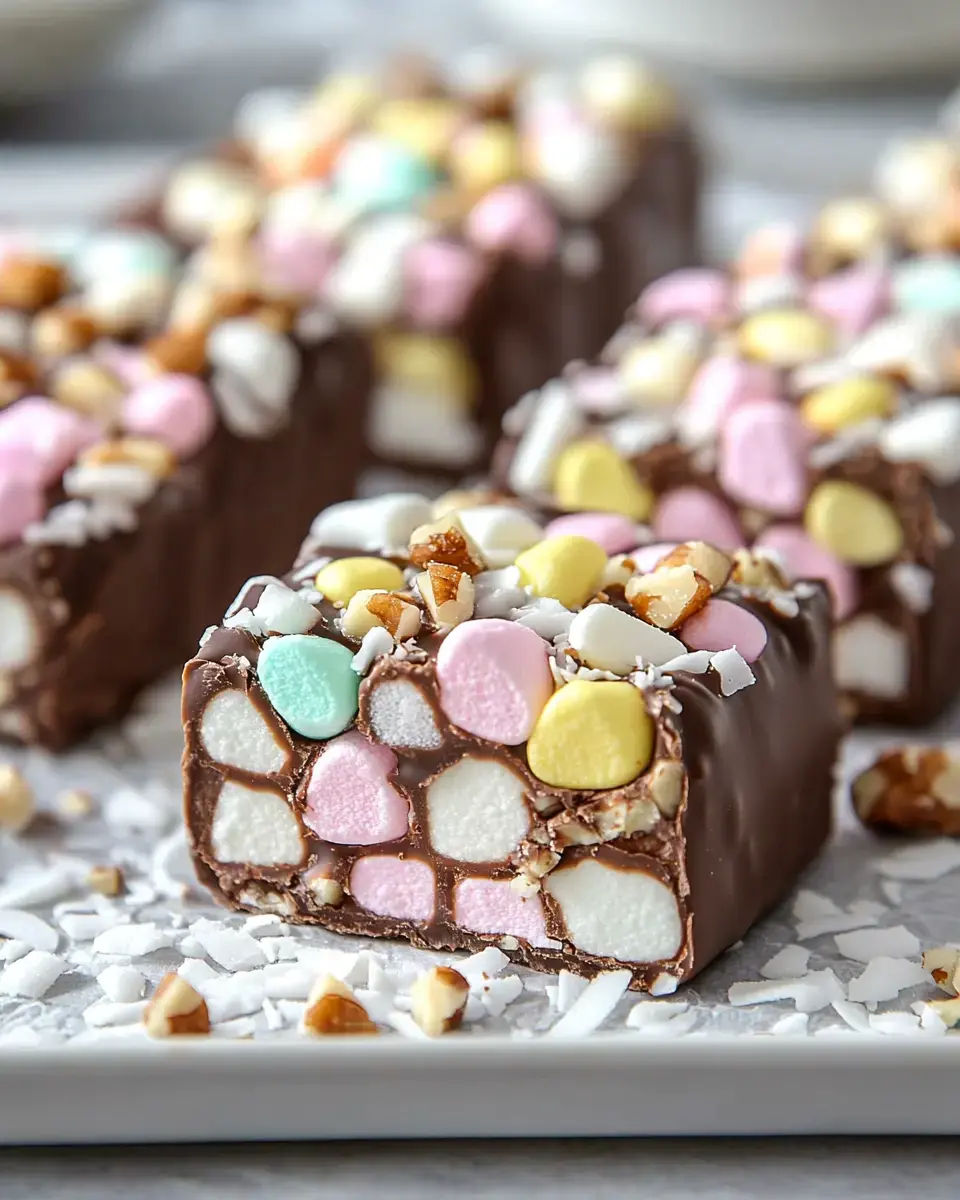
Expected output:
(402, 739)
(803, 400)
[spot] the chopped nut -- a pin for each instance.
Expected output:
(397, 614)
(176, 1008)
(948, 1011)
(911, 789)
(761, 571)
(18, 376)
(537, 861)
(62, 331)
(268, 901)
(178, 351)
(108, 881)
(326, 891)
(31, 283)
(88, 388)
(332, 1009)
(665, 781)
(446, 541)
(618, 572)
(75, 803)
(448, 594)
(668, 596)
(708, 562)
(16, 799)
(152, 456)
(439, 998)
(943, 963)
(278, 315)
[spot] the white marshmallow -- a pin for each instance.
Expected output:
(255, 372)
(125, 483)
(501, 531)
(255, 825)
(623, 914)
(870, 656)
(19, 635)
(401, 717)
(928, 434)
(582, 167)
(281, 610)
(380, 523)
(553, 424)
(612, 640)
(235, 733)
(476, 811)
(421, 425)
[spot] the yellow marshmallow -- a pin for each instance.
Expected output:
(853, 523)
(619, 91)
(785, 337)
(424, 125)
(657, 371)
(340, 580)
(567, 568)
(591, 735)
(591, 476)
(484, 156)
(419, 362)
(846, 229)
(848, 402)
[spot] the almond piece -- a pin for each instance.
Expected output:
(88, 388)
(397, 614)
(708, 562)
(176, 1008)
(438, 999)
(913, 789)
(18, 376)
(16, 800)
(107, 881)
(448, 593)
(446, 541)
(761, 571)
(333, 1009)
(178, 351)
(31, 283)
(152, 456)
(668, 596)
(665, 784)
(64, 330)
(943, 964)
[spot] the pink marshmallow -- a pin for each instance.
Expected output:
(349, 799)
(40, 439)
(609, 530)
(294, 261)
(21, 503)
(513, 218)
(440, 280)
(853, 299)
(175, 409)
(774, 249)
(693, 514)
(394, 887)
(804, 559)
(494, 679)
(647, 557)
(129, 364)
(599, 390)
(692, 293)
(493, 906)
(762, 457)
(721, 624)
(720, 385)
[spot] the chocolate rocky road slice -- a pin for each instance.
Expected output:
(90, 614)
(454, 725)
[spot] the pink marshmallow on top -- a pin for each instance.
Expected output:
(805, 559)
(762, 459)
(514, 218)
(129, 364)
(440, 280)
(349, 798)
(853, 299)
(692, 293)
(692, 514)
(720, 385)
(493, 906)
(175, 409)
(599, 390)
(294, 261)
(721, 624)
(613, 532)
(40, 439)
(647, 557)
(21, 503)
(404, 888)
(774, 249)
(494, 679)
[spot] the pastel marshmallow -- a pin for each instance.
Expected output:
(294, 260)
(440, 280)
(722, 625)
(719, 386)
(804, 559)
(513, 218)
(853, 299)
(21, 503)
(493, 906)
(494, 679)
(762, 457)
(692, 293)
(476, 811)
(175, 409)
(647, 558)
(349, 797)
(404, 888)
(609, 639)
(693, 514)
(613, 532)
(501, 531)
(41, 438)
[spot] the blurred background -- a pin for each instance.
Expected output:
(794, 97)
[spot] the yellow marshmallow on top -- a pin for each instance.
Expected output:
(855, 524)
(424, 125)
(591, 734)
(849, 402)
(591, 476)
(567, 568)
(785, 337)
(340, 580)
(484, 156)
(421, 362)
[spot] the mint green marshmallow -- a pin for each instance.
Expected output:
(310, 682)
(930, 284)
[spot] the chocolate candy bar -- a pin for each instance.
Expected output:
(142, 474)
(483, 226)
(803, 400)
(455, 725)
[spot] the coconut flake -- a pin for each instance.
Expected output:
(592, 1006)
(733, 669)
(697, 662)
(914, 585)
(498, 993)
(489, 962)
(884, 978)
(84, 927)
(664, 985)
(26, 927)
(789, 963)
(132, 941)
(376, 642)
(168, 854)
(346, 965)
(31, 976)
(895, 1024)
(103, 1013)
(232, 949)
(123, 985)
(404, 1024)
(810, 992)
(31, 885)
(792, 1025)
(922, 861)
(852, 1014)
(866, 944)
(230, 996)
(569, 989)
(930, 1020)
(272, 1015)
(195, 971)
(13, 949)
(817, 915)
